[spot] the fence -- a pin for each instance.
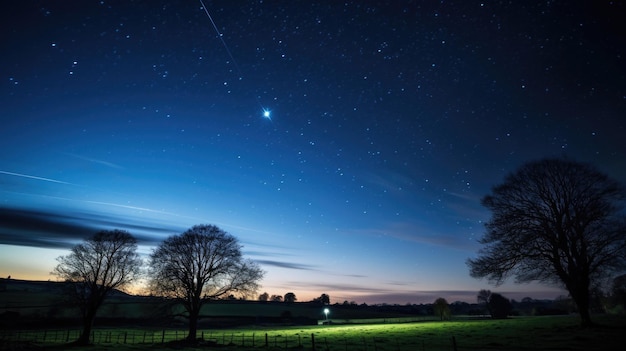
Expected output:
(299, 339)
(116, 336)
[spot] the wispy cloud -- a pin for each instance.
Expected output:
(392, 182)
(137, 208)
(375, 295)
(289, 265)
(414, 232)
(93, 160)
(47, 229)
(34, 177)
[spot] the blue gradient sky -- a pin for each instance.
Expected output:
(390, 120)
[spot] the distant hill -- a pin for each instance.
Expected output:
(46, 302)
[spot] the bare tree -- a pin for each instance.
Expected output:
(483, 298)
(554, 221)
(441, 308)
(95, 268)
(204, 263)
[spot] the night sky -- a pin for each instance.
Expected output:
(389, 121)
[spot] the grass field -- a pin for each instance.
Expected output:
(522, 333)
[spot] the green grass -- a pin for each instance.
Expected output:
(522, 333)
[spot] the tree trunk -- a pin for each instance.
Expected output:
(585, 317)
(193, 325)
(581, 298)
(85, 336)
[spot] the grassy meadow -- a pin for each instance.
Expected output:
(144, 327)
(520, 333)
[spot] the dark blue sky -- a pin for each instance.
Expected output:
(390, 120)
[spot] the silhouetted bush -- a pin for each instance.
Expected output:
(499, 306)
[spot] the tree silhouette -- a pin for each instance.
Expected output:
(264, 297)
(618, 290)
(554, 221)
(441, 308)
(203, 263)
(290, 297)
(95, 268)
(324, 299)
(483, 298)
(499, 306)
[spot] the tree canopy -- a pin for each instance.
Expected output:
(201, 264)
(499, 306)
(554, 221)
(290, 297)
(94, 268)
(441, 308)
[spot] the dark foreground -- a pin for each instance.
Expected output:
(522, 333)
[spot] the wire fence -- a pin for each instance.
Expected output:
(301, 340)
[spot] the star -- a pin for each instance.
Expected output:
(267, 114)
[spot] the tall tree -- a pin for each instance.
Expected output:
(554, 221)
(201, 264)
(95, 268)
(441, 308)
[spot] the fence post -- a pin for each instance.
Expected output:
(313, 341)
(266, 345)
(163, 337)
(454, 344)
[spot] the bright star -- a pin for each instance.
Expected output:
(267, 114)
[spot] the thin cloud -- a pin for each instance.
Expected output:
(35, 177)
(392, 182)
(288, 265)
(93, 160)
(145, 209)
(413, 232)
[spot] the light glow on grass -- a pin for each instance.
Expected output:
(536, 333)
